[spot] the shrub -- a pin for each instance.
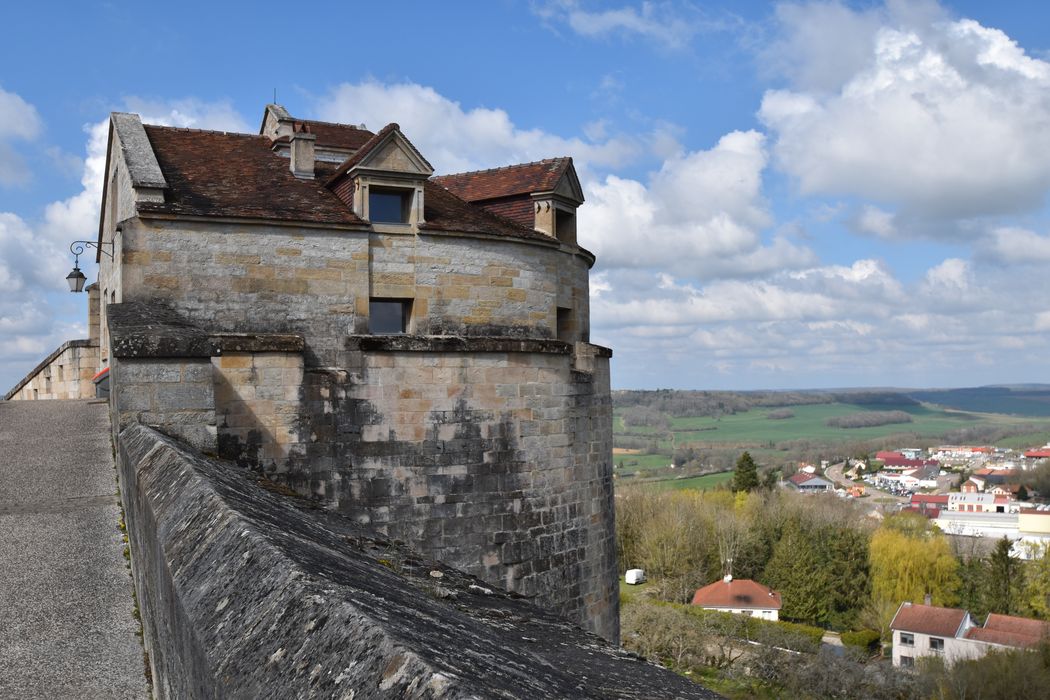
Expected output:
(865, 640)
(868, 419)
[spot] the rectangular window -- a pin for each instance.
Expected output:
(937, 645)
(566, 324)
(389, 206)
(388, 316)
(907, 662)
(907, 639)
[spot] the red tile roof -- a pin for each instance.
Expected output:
(1037, 454)
(336, 135)
(213, 173)
(218, 174)
(1011, 631)
(367, 148)
(480, 185)
(738, 593)
(930, 498)
(928, 619)
(800, 478)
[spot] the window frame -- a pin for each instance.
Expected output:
(907, 639)
(406, 315)
(405, 194)
(934, 642)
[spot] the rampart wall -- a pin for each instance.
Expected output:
(244, 593)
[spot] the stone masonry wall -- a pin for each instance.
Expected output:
(317, 283)
(65, 374)
(258, 399)
(493, 456)
(248, 594)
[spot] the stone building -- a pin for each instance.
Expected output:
(410, 350)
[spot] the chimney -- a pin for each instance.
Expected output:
(93, 313)
(927, 599)
(302, 161)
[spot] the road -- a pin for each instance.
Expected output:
(834, 473)
(68, 629)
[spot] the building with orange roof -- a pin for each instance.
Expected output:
(742, 596)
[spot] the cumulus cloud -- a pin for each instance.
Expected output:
(1016, 246)
(701, 214)
(18, 121)
(946, 119)
(455, 139)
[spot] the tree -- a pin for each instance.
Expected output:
(799, 573)
(1038, 581)
(910, 558)
(745, 476)
(1004, 580)
(1022, 493)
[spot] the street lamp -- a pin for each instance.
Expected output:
(76, 278)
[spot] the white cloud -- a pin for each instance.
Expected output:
(870, 219)
(1016, 246)
(701, 214)
(669, 25)
(18, 121)
(455, 139)
(945, 119)
(190, 113)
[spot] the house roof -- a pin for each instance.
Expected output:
(220, 174)
(1037, 454)
(928, 619)
(214, 173)
(370, 145)
(1008, 630)
(932, 498)
(737, 593)
(336, 135)
(481, 185)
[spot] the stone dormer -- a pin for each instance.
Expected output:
(383, 182)
(543, 195)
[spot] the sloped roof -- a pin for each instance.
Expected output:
(1008, 630)
(737, 593)
(481, 185)
(220, 174)
(928, 619)
(337, 135)
(214, 173)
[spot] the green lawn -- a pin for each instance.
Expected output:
(701, 483)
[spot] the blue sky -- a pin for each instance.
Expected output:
(780, 195)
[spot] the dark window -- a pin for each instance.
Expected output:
(566, 324)
(907, 662)
(388, 315)
(565, 226)
(388, 206)
(907, 639)
(936, 644)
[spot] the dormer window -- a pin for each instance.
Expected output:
(389, 205)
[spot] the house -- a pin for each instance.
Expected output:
(952, 635)
(809, 483)
(929, 504)
(742, 596)
(410, 349)
(1008, 631)
(920, 478)
(927, 630)
(982, 503)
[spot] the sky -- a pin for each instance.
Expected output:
(780, 195)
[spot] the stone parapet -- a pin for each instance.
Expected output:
(246, 594)
(64, 374)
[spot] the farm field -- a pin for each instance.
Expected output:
(777, 441)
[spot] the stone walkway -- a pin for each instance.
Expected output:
(66, 624)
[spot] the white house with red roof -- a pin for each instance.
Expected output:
(809, 483)
(952, 634)
(742, 596)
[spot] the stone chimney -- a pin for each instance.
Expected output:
(302, 161)
(927, 599)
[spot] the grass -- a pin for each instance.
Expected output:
(700, 483)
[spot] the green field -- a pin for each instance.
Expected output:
(753, 427)
(700, 483)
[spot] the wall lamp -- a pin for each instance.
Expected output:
(76, 278)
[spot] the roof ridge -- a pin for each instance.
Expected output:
(206, 131)
(506, 167)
